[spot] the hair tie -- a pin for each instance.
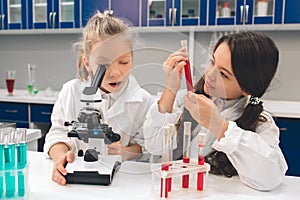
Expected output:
(254, 100)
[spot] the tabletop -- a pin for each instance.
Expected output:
(134, 180)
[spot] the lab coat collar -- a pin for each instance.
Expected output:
(128, 95)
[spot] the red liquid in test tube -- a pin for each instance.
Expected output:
(188, 76)
(187, 70)
(165, 184)
(165, 187)
(186, 150)
(185, 178)
(200, 177)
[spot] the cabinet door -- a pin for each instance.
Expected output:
(269, 12)
(41, 113)
(219, 16)
(13, 14)
(67, 13)
(129, 9)
(89, 8)
(16, 15)
(14, 112)
(291, 11)
(192, 12)
(289, 143)
(157, 12)
(38, 14)
(3, 15)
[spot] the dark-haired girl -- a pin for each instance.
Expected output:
(242, 138)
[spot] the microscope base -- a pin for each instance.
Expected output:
(100, 172)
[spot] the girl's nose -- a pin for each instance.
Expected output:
(211, 73)
(114, 71)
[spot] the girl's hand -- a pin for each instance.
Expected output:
(115, 148)
(206, 113)
(59, 169)
(172, 69)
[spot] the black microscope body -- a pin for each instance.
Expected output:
(88, 166)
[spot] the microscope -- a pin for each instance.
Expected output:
(93, 166)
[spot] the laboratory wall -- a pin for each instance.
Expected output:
(55, 59)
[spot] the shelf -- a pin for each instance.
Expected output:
(166, 29)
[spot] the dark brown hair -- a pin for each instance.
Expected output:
(254, 59)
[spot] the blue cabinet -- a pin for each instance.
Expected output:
(44, 14)
(291, 13)
(174, 12)
(289, 143)
(13, 14)
(15, 112)
(239, 12)
(25, 113)
(128, 10)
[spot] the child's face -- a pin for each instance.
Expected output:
(118, 55)
(219, 78)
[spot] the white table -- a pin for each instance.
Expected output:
(133, 181)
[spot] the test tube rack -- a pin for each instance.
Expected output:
(174, 173)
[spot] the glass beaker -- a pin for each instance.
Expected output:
(30, 78)
(10, 81)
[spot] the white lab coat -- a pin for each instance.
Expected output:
(256, 156)
(126, 116)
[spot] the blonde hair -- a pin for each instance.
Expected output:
(99, 27)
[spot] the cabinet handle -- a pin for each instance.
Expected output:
(3, 16)
(283, 129)
(11, 111)
(246, 16)
(46, 113)
(54, 14)
(174, 16)
(242, 13)
(170, 15)
(50, 18)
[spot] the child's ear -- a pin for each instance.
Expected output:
(86, 64)
(245, 93)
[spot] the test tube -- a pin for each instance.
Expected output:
(21, 159)
(201, 145)
(1, 163)
(165, 184)
(186, 150)
(171, 135)
(9, 162)
(187, 70)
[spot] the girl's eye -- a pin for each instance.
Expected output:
(223, 75)
(211, 62)
(124, 63)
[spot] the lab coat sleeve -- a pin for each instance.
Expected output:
(256, 156)
(63, 110)
(153, 126)
(142, 111)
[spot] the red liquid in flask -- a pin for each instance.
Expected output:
(10, 85)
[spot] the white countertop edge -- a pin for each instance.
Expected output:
(288, 109)
(22, 96)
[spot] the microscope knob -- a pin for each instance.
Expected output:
(80, 153)
(90, 155)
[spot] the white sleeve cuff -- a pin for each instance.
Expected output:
(230, 142)
(160, 119)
